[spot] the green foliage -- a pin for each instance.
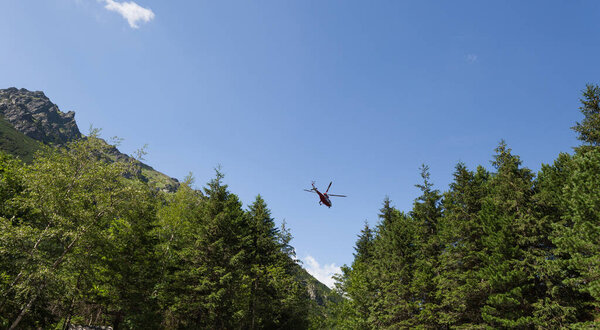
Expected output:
(426, 213)
(85, 240)
(498, 250)
(223, 267)
(71, 196)
(577, 239)
(459, 290)
(589, 128)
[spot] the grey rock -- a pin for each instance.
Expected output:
(34, 115)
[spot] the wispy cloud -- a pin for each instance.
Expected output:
(131, 11)
(322, 273)
(472, 58)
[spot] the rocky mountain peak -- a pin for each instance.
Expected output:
(34, 115)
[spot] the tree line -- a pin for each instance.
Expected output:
(503, 249)
(84, 240)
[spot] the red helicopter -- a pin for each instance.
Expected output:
(324, 197)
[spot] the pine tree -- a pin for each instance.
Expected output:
(395, 251)
(363, 251)
(460, 295)
(561, 304)
(295, 305)
(505, 213)
(219, 289)
(179, 221)
(356, 283)
(577, 240)
(267, 267)
(567, 201)
(427, 212)
(589, 128)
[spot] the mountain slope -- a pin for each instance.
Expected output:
(17, 143)
(29, 119)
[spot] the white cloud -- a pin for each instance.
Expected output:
(472, 58)
(131, 11)
(323, 274)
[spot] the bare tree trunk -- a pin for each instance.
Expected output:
(117, 320)
(24, 310)
(97, 315)
(70, 310)
(69, 314)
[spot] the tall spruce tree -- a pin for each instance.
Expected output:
(561, 304)
(427, 212)
(572, 198)
(505, 212)
(219, 258)
(459, 291)
(356, 284)
(294, 300)
(394, 303)
(589, 128)
(263, 253)
(179, 221)
(274, 293)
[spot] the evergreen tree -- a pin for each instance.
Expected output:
(577, 240)
(427, 212)
(178, 224)
(356, 283)
(459, 292)
(295, 301)
(561, 304)
(505, 213)
(589, 128)
(273, 293)
(394, 303)
(364, 244)
(213, 287)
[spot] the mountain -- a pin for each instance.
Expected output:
(32, 114)
(29, 119)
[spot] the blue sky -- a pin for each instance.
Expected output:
(284, 92)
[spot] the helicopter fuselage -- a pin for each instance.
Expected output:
(324, 198)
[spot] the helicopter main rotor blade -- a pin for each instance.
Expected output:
(328, 186)
(312, 191)
(336, 195)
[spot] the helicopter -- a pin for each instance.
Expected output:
(324, 197)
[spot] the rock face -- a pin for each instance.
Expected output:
(32, 114)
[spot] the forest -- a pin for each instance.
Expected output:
(86, 240)
(508, 249)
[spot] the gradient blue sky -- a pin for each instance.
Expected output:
(284, 92)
